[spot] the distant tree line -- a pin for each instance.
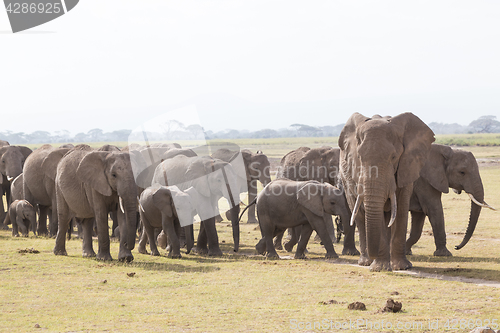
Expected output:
(175, 130)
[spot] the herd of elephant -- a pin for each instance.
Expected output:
(383, 168)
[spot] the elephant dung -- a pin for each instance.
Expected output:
(392, 306)
(332, 301)
(357, 306)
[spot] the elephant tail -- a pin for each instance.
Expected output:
(254, 201)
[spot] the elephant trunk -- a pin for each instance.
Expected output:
(374, 201)
(235, 223)
(475, 210)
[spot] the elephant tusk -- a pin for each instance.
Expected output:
(394, 209)
(478, 203)
(121, 204)
(359, 200)
(141, 208)
(9, 178)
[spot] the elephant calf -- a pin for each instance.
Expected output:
(21, 214)
(286, 203)
(168, 208)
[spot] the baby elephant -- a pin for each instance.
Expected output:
(21, 214)
(167, 208)
(286, 203)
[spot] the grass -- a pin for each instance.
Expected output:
(244, 291)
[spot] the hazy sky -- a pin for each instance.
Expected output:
(114, 64)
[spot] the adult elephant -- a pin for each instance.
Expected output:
(39, 174)
(446, 167)
(89, 184)
(380, 158)
(320, 164)
(11, 165)
(257, 169)
(213, 179)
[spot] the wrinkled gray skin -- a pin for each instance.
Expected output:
(380, 159)
(39, 174)
(205, 175)
(320, 164)
(11, 165)
(164, 207)
(16, 188)
(22, 215)
(286, 203)
(257, 168)
(445, 168)
(4, 188)
(88, 185)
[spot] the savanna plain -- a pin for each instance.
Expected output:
(244, 292)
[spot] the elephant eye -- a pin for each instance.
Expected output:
(462, 173)
(114, 175)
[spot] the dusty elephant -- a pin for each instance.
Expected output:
(320, 164)
(257, 169)
(88, 185)
(446, 167)
(22, 215)
(168, 208)
(39, 174)
(286, 203)
(213, 179)
(380, 159)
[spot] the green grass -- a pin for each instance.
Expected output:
(245, 292)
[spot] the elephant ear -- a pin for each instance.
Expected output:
(417, 140)
(348, 134)
(162, 198)
(50, 162)
(434, 170)
(91, 170)
(310, 197)
(197, 172)
(25, 151)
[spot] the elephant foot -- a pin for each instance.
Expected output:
(443, 252)
(261, 247)
(401, 264)
(127, 258)
(88, 254)
(350, 251)
(142, 250)
(215, 252)
(174, 256)
(104, 256)
(299, 256)
(272, 255)
(252, 220)
(332, 255)
(218, 219)
(155, 253)
(380, 265)
(60, 252)
(277, 244)
(289, 246)
(408, 252)
(201, 250)
(364, 261)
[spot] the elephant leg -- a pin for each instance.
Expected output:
(13, 220)
(201, 244)
(143, 238)
(114, 218)
(294, 237)
(212, 237)
(305, 234)
(188, 231)
(278, 241)
(436, 218)
(101, 223)
(398, 230)
(53, 219)
(87, 246)
(252, 194)
(172, 232)
(364, 259)
(42, 221)
(417, 224)
(349, 243)
(321, 227)
(63, 218)
(182, 237)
